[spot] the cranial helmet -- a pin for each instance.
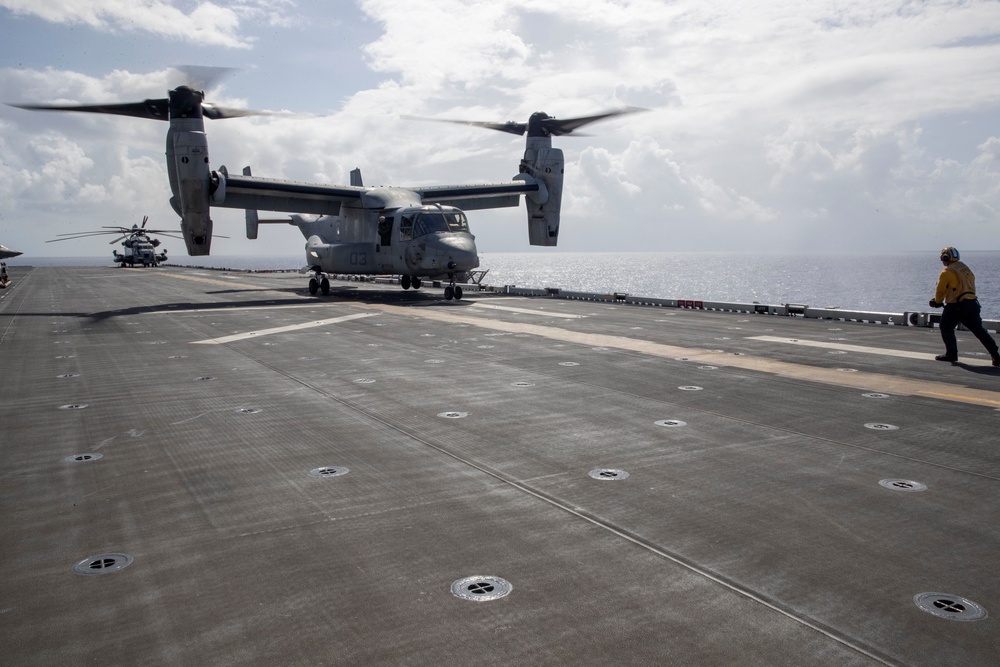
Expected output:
(949, 255)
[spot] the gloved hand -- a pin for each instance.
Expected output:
(934, 304)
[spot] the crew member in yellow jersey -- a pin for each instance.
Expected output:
(956, 291)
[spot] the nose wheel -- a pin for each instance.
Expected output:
(319, 283)
(452, 292)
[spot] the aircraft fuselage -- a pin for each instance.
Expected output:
(420, 241)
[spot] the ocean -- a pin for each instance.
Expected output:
(886, 283)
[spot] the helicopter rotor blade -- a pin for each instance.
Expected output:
(193, 80)
(557, 127)
(200, 77)
(80, 235)
(151, 109)
(170, 233)
(511, 127)
(539, 122)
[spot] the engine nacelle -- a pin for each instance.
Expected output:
(544, 165)
(192, 186)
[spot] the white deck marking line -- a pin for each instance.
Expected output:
(528, 311)
(277, 330)
(227, 309)
(878, 382)
(213, 281)
(888, 352)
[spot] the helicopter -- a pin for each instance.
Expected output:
(419, 233)
(7, 253)
(140, 248)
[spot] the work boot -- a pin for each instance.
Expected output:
(945, 357)
(996, 358)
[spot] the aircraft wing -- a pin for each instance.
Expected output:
(475, 197)
(270, 194)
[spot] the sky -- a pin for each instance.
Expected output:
(844, 126)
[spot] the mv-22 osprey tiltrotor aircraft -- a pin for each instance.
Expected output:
(140, 247)
(418, 233)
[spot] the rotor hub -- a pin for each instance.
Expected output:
(185, 102)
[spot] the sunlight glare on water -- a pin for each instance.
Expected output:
(886, 283)
(891, 283)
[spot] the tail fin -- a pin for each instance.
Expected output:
(356, 178)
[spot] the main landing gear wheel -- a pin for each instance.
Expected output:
(319, 284)
(409, 281)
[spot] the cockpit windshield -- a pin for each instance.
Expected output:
(444, 221)
(422, 223)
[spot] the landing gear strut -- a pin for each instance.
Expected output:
(319, 282)
(452, 291)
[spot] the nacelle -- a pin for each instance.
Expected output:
(545, 165)
(191, 183)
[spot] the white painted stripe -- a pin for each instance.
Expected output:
(886, 352)
(276, 330)
(528, 311)
(230, 309)
(861, 380)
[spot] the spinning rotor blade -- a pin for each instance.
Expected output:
(186, 100)
(153, 109)
(510, 126)
(540, 123)
(557, 128)
(199, 77)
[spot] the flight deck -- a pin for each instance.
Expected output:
(216, 467)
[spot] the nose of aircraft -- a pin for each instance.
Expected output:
(452, 252)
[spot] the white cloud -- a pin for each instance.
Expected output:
(785, 124)
(206, 23)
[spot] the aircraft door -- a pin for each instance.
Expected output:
(385, 230)
(384, 244)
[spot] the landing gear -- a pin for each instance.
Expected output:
(452, 291)
(319, 283)
(407, 281)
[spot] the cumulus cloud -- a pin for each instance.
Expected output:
(803, 124)
(205, 23)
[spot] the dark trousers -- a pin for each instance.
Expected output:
(968, 314)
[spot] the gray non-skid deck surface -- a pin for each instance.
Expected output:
(755, 533)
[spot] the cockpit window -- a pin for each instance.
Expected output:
(444, 221)
(405, 228)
